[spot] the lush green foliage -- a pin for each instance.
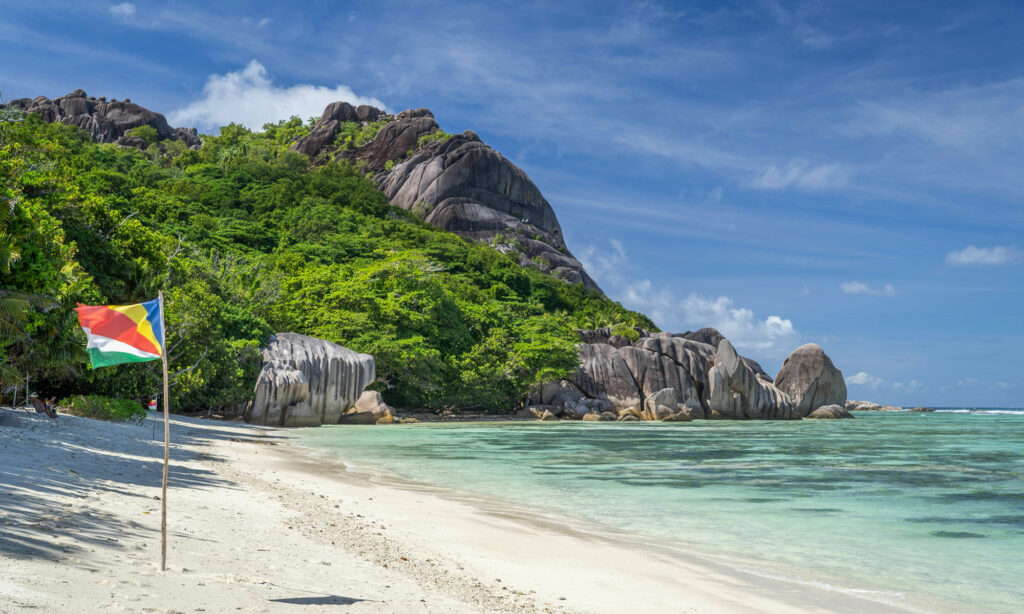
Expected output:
(439, 135)
(245, 237)
(353, 135)
(103, 408)
(625, 330)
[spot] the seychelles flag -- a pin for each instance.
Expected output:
(122, 333)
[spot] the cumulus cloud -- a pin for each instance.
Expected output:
(610, 266)
(873, 382)
(123, 10)
(250, 98)
(802, 175)
(856, 287)
(984, 255)
(863, 378)
(738, 324)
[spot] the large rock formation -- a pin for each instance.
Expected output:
(811, 380)
(307, 381)
(664, 376)
(457, 183)
(106, 122)
(735, 391)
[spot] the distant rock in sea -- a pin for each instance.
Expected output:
(869, 406)
(307, 381)
(106, 122)
(664, 376)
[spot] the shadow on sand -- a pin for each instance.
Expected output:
(71, 459)
(322, 600)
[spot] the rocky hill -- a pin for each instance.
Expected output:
(456, 182)
(106, 121)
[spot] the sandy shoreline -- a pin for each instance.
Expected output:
(258, 524)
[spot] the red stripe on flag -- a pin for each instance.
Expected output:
(105, 322)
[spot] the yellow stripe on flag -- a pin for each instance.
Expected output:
(139, 315)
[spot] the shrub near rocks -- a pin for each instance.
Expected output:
(103, 408)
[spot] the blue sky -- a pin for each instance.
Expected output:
(843, 173)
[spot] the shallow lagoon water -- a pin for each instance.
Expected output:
(919, 509)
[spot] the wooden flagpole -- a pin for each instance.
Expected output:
(167, 443)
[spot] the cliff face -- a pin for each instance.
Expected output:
(106, 122)
(457, 183)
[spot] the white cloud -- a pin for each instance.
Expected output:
(610, 266)
(770, 335)
(984, 255)
(605, 265)
(856, 287)
(123, 10)
(863, 378)
(802, 175)
(250, 98)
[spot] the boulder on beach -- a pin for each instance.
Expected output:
(735, 391)
(650, 376)
(307, 381)
(373, 402)
(810, 380)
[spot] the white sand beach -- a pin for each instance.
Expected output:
(257, 524)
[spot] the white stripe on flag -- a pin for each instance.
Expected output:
(106, 344)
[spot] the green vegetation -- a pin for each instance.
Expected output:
(246, 238)
(625, 330)
(439, 135)
(103, 408)
(353, 135)
(147, 134)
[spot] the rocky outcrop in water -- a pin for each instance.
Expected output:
(829, 412)
(457, 183)
(672, 377)
(307, 381)
(869, 406)
(811, 380)
(105, 121)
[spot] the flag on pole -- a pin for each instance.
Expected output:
(122, 333)
(132, 333)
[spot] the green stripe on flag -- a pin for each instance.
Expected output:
(108, 359)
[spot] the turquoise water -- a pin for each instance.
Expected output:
(916, 509)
